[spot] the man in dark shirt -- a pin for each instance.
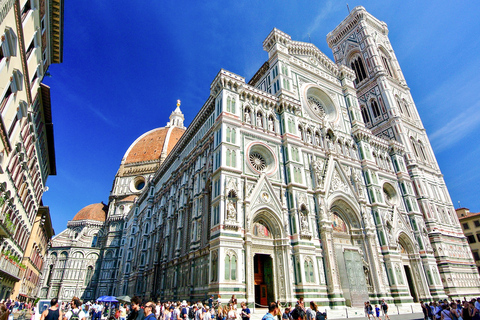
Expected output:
(136, 313)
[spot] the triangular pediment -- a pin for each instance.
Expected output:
(339, 181)
(263, 195)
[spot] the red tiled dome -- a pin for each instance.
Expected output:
(150, 145)
(96, 211)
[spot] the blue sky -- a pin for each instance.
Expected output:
(127, 62)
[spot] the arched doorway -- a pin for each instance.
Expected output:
(268, 277)
(353, 270)
(405, 247)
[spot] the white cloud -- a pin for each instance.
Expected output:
(326, 10)
(456, 129)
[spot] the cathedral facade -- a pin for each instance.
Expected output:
(315, 179)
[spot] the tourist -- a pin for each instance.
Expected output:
(52, 313)
(149, 311)
(297, 314)
(207, 315)
(220, 313)
(312, 311)
(466, 311)
(474, 311)
(377, 312)
(4, 313)
(232, 313)
(454, 311)
(445, 313)
(272, 311)
(233, 301)
(184, 311)
(384, 306)
(245, 313)
(75, 313)
(123, 312)
(424, 310)
(158, 310)
(136, 312)
(286, 314)
(368, 309)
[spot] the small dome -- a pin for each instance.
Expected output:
(96, 211)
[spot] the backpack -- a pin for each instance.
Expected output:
(320, 315)
(74, 315)
(191, 313)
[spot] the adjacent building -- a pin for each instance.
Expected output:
(31, 36)
(470, 223)
(315, 178)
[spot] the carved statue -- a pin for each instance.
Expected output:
(304, 223)
(248, 118)
(231, 211)
(271, 124)
(309, 137)
(259, 120)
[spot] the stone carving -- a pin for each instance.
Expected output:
(231, 210)
(318, 169)
(248, 117)
(338, 183)
(259, 120)
(271, 124)
(304, 223)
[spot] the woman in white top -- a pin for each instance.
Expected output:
(232, 314)
(312, 311)
(445, 313)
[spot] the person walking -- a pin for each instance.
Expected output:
(384, 306)
(232, 313)
(75, 313)
(312, 311)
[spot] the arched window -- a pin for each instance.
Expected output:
(375, 109)
(233, 266)
(366, 118)
(88, 278)
(357, 66)
(227, 267)
(386, 65)
(407, 110)
(414, 145)
(400, 107)
(214, 266)
(422, 151)
(300, 131)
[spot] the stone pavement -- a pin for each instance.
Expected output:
(409, 312)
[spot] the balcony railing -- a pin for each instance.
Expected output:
(9, 268)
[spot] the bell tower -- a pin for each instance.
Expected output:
(361, 43)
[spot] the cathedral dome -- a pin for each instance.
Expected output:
(153, 145)
(96, 211)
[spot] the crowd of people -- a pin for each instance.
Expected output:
(214, 310)
(135, 310)
(453, 310)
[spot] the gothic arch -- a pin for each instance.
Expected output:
(347, 209)
(271, 220)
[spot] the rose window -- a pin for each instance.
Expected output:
(258, 161)
(316, 106)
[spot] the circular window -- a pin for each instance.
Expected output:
(261, 158)
(257, 161)
(319, 103)
(390, 194)
(137, 184)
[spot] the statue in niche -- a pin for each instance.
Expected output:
(231, 210)
(317, 140)
(248, 118)
(367, 276)
(304, 223)
(318, 168)
(271, 124)
(259, 120)
(309, 137)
